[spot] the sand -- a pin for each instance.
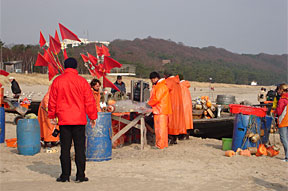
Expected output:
(195, 164)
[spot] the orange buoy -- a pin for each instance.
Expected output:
(229, 153)
(261, 150)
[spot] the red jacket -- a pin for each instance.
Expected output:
(283, 101)
(281, 112)
(71, 99)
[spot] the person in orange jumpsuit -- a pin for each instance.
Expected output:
(187, 103)
(46, 128)
(176, 120)
(95, 86)
(161, 108)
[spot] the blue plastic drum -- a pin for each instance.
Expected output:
(28, 137)
(241, 124)
(2, 124)
(98, 139)
(266, 126)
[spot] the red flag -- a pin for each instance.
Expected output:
(4, 73)
(105, 50)
(54, 45)
(110, 63)
(42, 40)
(85, 58)
(51, 60)
(93, 59)
(57, 37)
(65, 54)
(41, 61)
(107, 83)
(67, 34)
(99, 50)
(94, 71)
(51, 71)
(97, 73)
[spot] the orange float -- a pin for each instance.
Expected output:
(229, 153)
(261, 150)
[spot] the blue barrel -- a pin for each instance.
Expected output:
(28, 137)
(2, 124)
(98, 139)
(241, 124)
(266, 126)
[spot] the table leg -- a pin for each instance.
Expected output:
(142, 133)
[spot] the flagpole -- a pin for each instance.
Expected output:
(60, 67)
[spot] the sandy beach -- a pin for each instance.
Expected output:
(194, 164)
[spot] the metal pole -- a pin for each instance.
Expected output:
(1, 61)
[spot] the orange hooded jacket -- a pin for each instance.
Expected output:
(46, 128)
(97, 97)
(187, 104)
(176, 120)
(160, 99)
(161, 107)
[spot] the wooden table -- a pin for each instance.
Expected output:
(129, 125)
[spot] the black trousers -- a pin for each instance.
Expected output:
(77, 134)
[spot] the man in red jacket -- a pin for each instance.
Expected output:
(70, 100)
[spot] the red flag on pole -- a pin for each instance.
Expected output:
(54, 45)
(94, 71)
(51, 71)
(99, 50)
(57, 37)
(110, 63)
(41, 61)
(4, 73)
(97, 73)
(93, 59)
(107, 83)
(85, 58)
(42, 40)
(67, 34)
(105, 50)
(65, 54)
(51, 60)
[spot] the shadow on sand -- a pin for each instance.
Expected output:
(215, 146)
(270, 185)
(42, 168)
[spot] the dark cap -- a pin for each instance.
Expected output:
(70, 63)
(119, 77)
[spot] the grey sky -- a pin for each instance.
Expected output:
(240, 26)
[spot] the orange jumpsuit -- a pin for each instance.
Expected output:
(46, 128)
(161, 108)
(187, 104)
(176, 120)
(97, 97)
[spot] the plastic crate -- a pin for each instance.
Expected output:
(248, 110)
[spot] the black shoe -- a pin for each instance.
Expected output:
(55, 143)
(60, 179)
(85, 179)
(47, 144)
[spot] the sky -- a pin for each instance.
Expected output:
(239, 26)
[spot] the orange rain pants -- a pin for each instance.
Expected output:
(161, 130)
(187, 104)
(46, 128)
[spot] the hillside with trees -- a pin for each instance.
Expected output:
(196, 64)
(200, 64)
